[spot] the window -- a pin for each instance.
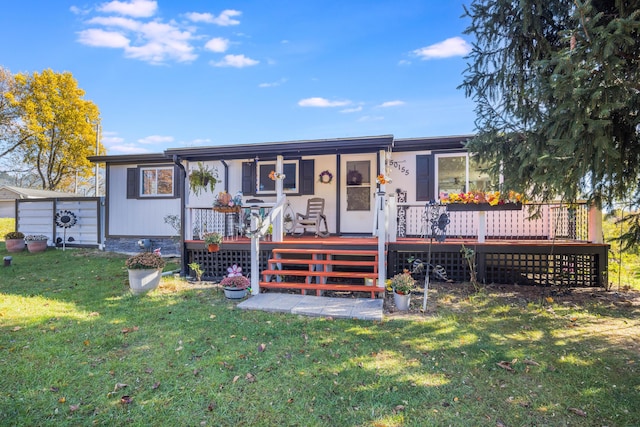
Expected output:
(460, 173)
(147, 182)
(299, 179)
(267, 185)
(156, 181)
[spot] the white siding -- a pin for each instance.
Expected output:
(136, 217)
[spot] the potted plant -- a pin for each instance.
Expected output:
(402, 285)
(235, 287)
(36, 242)
(213, 241)
(203, 177)
(14, 241)
(145, 271)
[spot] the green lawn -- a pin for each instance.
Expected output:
(77, 349)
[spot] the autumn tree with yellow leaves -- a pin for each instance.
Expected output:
(57, 126)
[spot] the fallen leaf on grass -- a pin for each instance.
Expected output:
(125, 400)
(262, 347)
(250, 378)
(118, 386)
(62, 400)
(398, 408)
(505, 365)
(578, 411)
(127, 330)
(236, 378)
(16, 328)
(54, 389)
(155, 385)
(211, 406)
(73, 408)
(530, 362)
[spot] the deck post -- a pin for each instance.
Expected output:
(595, 225)
(482, 226)
(255, 252)
(392, 218)
(382, 235)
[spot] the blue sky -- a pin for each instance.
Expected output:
(171, 73)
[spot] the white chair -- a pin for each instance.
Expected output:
(312, 219)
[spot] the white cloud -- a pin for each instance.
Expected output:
(321, 102)
(224, 19)
(352, 110)
(135, 8)
(127, 149)
(116, 21)
(454, 46)
(273, 84)
(217, 44)
(237, 61)
(391, 104)
(102, 38)
(200, 141)
(155, 139)
(111, 138)
(404, 62)
(155, 42)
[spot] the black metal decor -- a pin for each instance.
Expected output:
(435, 220)
(65, 219)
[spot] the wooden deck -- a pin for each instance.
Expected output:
(539, 262)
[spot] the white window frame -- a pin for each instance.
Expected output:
(156, 194)
(272, 165)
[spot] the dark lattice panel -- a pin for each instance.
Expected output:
(542, 269)
(215, 264)
(453, 262)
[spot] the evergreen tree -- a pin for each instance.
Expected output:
(557, 91)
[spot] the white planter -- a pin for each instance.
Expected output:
(235, 293)
(401, 301)
(142, 281)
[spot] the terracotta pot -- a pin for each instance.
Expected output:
(15, 245)
(144, 280)
(212, 247)
(36, 246)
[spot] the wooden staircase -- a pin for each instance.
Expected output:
(322, 270)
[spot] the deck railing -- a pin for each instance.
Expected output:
(535, 221)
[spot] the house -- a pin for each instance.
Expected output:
(564, 245)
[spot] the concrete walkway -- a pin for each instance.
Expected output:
(347, 308)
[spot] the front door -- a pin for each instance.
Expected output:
(357, 193)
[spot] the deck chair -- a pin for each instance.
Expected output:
(312, 219)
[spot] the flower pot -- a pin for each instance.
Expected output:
(212, 247)
(401, 301)
(15, 245)
(235, 293)
(144, 280)
(36, 246)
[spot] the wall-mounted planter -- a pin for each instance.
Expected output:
(469, 207)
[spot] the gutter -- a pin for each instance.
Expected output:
(183, 206)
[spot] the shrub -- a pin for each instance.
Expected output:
(145, 260)
(14, 235)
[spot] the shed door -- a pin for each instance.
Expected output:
(357, 193)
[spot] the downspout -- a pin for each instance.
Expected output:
(183, 208)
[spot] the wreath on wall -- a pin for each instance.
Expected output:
(325, 177)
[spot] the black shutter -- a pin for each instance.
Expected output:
(248, 178)
(132, 183)
(307, 177)
(424, 178)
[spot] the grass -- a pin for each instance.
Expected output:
(77, 349)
